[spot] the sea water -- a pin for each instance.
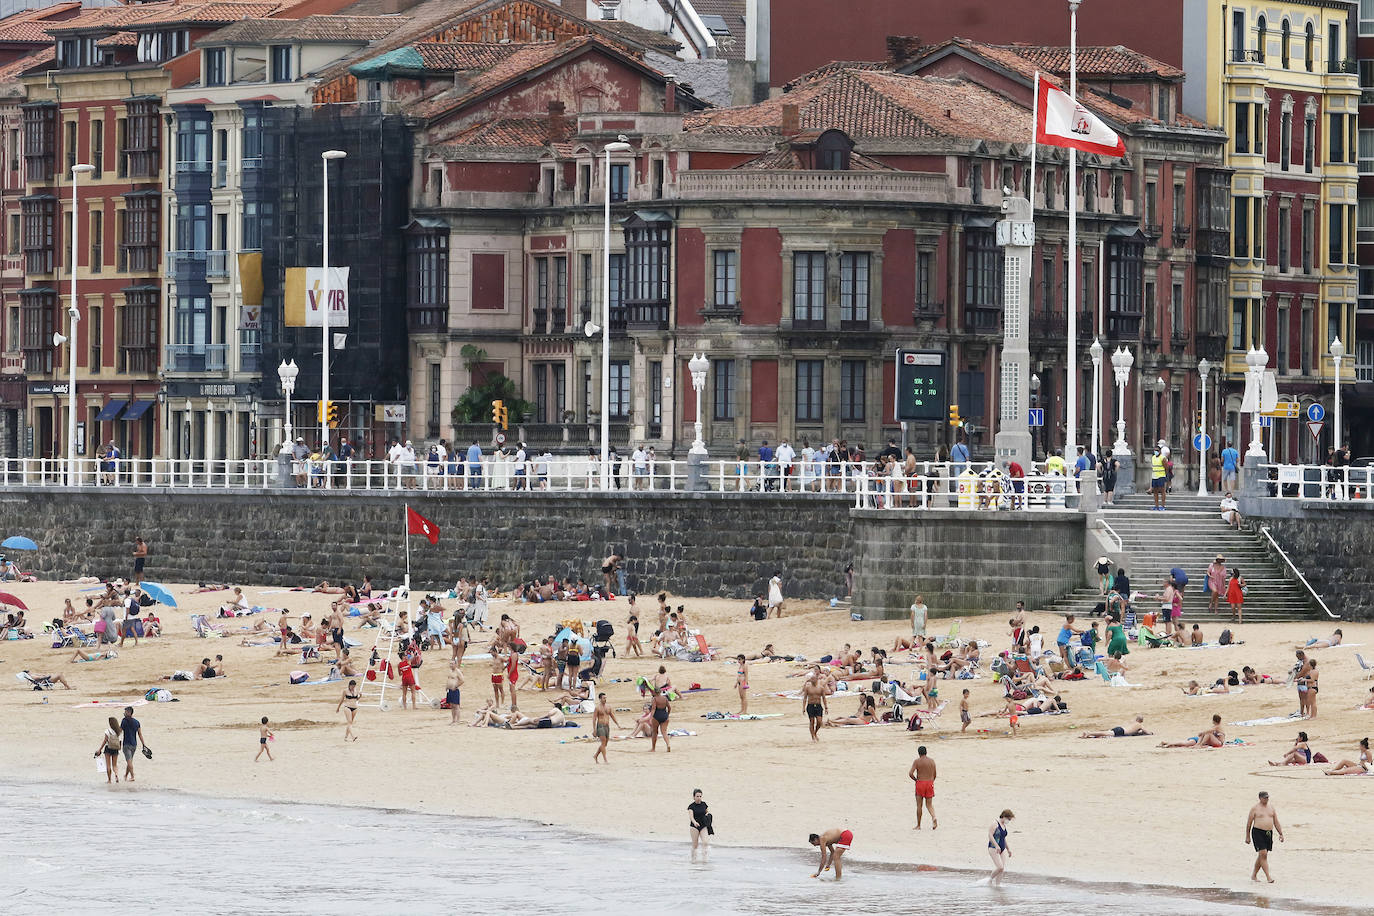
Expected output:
(130, 849)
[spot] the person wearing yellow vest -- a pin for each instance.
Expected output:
(1158, 478)
(1055, 463)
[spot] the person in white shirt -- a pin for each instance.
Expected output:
(652, 460)
(808, 454)
(639, 459)
(775, 595)
(408, 461)
(395, 456)
(521, 464)
(541, 468)
(1230, 510)
(785, 456)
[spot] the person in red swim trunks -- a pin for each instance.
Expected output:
(923, 772)
(498, 676)
(833, 845)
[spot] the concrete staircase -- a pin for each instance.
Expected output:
(1189, 534)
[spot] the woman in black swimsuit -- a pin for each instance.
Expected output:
(699, 825)
(661, 712)
(349, 700)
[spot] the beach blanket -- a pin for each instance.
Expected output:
(1214, 645)
(1271, 720)
(1120, 681)
(1234, 691)
(736, 717)
(672, 733)
(111, 704)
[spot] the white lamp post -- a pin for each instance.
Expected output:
(1035, 402)
(1337, 354)
(324, 304)
(1204, 368)
(620, 146)
(74, 315)
(1122, 360)
(1095, 351)
(1071, 366)
(287, 373)
(698, 366)
(1256, 359)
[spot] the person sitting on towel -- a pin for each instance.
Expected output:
(554, 718)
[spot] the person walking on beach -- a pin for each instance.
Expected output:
(813, 700)
(998, 850)
(453, 693)
(1235, 594)
(132, 731)
(1216, 583)
(349, 702)
(775, 595)
(140, 557)
(662, 710)
(923, 774)
(699, 825)
(498, 676)
(264, 735)
(1260, 828)
(742, 684)
(833, 845)
(1300, 673)
(602, 717)
(109, 746)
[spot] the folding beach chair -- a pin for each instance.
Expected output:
(951, 640)
(1365, 666)
(35, 683)
(1149, 639)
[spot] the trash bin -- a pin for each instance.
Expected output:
(284, 478)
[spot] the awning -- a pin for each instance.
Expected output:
(651, 216)
(979, 222)
(110, 410)
(137, 409)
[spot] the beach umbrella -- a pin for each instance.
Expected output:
(158, 593)
(18, 542)
(7, 598)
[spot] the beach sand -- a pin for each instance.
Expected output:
(1104, 810)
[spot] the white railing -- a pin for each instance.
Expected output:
(933, 487)
(1264, 530)
(1319, 482)
(978, 487)
(1116, 538)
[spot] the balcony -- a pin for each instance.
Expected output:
(195, 357)
(540, 323)
(427, 320)
(1051, 325)
(789, 185)
(1342, 66)
(647, 316)
(216, 262)
(1213, 243)
(1181, 234)
(1244, 55)
(928, 311)
(250, 357)
(983, 321)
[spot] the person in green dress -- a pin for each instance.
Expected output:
(1116, 635)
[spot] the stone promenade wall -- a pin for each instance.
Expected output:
(1331, 543)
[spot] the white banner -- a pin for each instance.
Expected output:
(337, 295)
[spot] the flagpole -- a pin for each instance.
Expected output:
(1071, 320)
(1035, 121)
(406, 534)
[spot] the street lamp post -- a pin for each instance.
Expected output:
(1096, 352)
(1071, 319)
(1337, 354)
(1204, 368)
(1256, 359)
(698, 366)
(1122, 360)
(325, 302)
(287, 373)
(74, 314)
(619, 146)
(1035, 402)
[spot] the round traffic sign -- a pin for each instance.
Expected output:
(1202, 442)
(500, 438)
(1316, 413)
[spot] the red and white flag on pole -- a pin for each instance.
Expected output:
(418, 524)
(1063, 122)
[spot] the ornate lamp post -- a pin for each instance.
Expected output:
(1256, 359)
(1122, 360)
(1035, 402)
(1204, 368)
(287, 373)
(1095, 351)
(698, 366)
(619, 146)
(1337, 354)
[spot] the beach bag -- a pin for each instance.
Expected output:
(112, 742)
(914, 723)
(1319, 757)
(1225, 638)
(158, 695)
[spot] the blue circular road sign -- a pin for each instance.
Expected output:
(1202, 442)
(1316, 413)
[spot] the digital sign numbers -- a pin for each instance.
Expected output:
(922, 385)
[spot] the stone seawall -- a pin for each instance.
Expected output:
(1330, 543)
(963, 562)
(690, 544)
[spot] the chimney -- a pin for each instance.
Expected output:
(558, 127)
(791, 120)
(670, 94)
(901, 48)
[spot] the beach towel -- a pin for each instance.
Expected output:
(1120, 681)
(672, 733)
(736, 717)
(110, 704)
(1234, 691)
(1271, 720)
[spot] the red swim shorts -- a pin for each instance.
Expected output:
(925, 788)
(846, 840)
(497, 678)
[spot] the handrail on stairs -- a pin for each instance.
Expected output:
(1264, 530)
(1120, 545)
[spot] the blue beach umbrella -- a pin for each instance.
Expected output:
(158, 593)
(18, 542)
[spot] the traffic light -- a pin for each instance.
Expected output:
(500, 415)
(1199, 421)
(954, 418)
(332, 410)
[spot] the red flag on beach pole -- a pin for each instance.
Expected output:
(418, 524)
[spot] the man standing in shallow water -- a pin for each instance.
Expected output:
(1260, 828)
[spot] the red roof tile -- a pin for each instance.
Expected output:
(445, 56)
(31, 26)
(347, 29)
(530, 132)
(1117, 61)
(10, 72)
(878, 104)
(119, 40)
